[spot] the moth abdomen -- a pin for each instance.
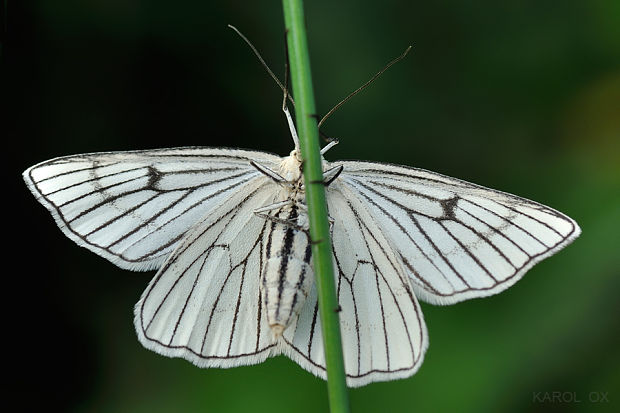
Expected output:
(285, 285)
(287, 276)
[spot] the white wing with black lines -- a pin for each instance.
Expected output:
(204, 303)
(457, 240)
(383, 332)
(132, 208)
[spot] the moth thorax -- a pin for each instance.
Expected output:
(285, 285)
(290, 167)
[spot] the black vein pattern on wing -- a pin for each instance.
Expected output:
(361, 186)
(341, 276)
(469, 252)
(234, 322)
(307, 259)
(408, 235)
(189, 296)
(496, 231)
(258, 244)
(539, 208)
(92, 179)
(416, 357)
(429, 239)
(272, 226)
(244, 262)
(412, 298)
(445, 181)
(406, 178)
(197, 203)
(264, 247)
(202, 256)
(235, 156)
(149, 186)
(101, 189)
(312, 331)
(244, 175)
(481, 236)
(159, 193)
(359, 223)
(530, 204)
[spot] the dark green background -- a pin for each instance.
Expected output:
(522, 96)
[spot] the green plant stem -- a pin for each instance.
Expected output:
(307, 128)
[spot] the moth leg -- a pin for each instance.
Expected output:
(285, 222)
(303, 207)
(331, 226)
(264, 213)
(329, 176)
(276, 177)
(261, 211)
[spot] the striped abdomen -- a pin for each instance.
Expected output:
(287, 276)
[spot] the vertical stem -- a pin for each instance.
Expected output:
(308, 130)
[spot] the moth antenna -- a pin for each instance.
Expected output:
(261, 60)
(365, 85)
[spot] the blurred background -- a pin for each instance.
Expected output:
(519, 96)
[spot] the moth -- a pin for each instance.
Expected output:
(227, 232)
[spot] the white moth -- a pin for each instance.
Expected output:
(227, 231)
